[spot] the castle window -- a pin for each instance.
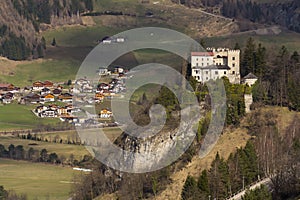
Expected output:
(233, 58)
(216, 72)
(224, 72)
(206, 72)
(233, 72)
(233, 65)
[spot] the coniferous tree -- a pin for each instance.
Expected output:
(248, 61)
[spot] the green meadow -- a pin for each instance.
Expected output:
(36, 180)
(15, 117)
(53, 70)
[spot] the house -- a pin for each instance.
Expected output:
(107, 40)
(40, 109)
(82, 82)
(226, 61)
(103, 86)
(37, 86)
(250, 79)
(70, 119)
(62, 111)
(7, 98)
(120, 40)
(105, 114)
(31, 98)
(6, 87)
(48, 84)
(99, 98)
(45, 91)
(103, 72)
(66, 98)
(48, 98)
(49, 113)
(56, 92)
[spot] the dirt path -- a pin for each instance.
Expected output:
(227, 144)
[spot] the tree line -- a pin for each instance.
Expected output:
(33, 155)
(278, 73)
(71, 139)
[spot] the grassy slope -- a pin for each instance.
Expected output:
(14, 117)
(228, 142)
(54, 70)
(36, 180)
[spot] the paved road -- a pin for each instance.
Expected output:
(238, 196)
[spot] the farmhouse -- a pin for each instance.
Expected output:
(37, 86)
(49, 113)
(48, 98)
(7, 98)
(66, 98)
(6, 87)
(30, 98)
(105, 114)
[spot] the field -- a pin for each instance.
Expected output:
(112, 133)
(36, 180)
(60, 149)
(53, 70)
(14, 117)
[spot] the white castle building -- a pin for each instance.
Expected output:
(216, 63)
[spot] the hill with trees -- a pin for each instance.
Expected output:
(284, 13)
(21, 21)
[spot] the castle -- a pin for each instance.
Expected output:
(216, 63)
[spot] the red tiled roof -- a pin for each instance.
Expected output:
(3, 85)
(202, 54)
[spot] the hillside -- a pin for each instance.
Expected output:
(281, 12)
(21, 21)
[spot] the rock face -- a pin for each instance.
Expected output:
(139, 155)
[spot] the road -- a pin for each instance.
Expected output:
(239, 195)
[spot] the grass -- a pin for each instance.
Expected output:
(36, 180)
(112, 133)
(60, 149)
(78, 36)
(14, 117)
(54, 70)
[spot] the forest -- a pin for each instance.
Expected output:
(19, 42)
(284, 13)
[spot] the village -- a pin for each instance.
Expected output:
(55, 100)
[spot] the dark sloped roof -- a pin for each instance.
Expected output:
(250, 76)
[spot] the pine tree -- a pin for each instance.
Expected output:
(203, 184)
(248, 62)
(53, 42)
(190, 189)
